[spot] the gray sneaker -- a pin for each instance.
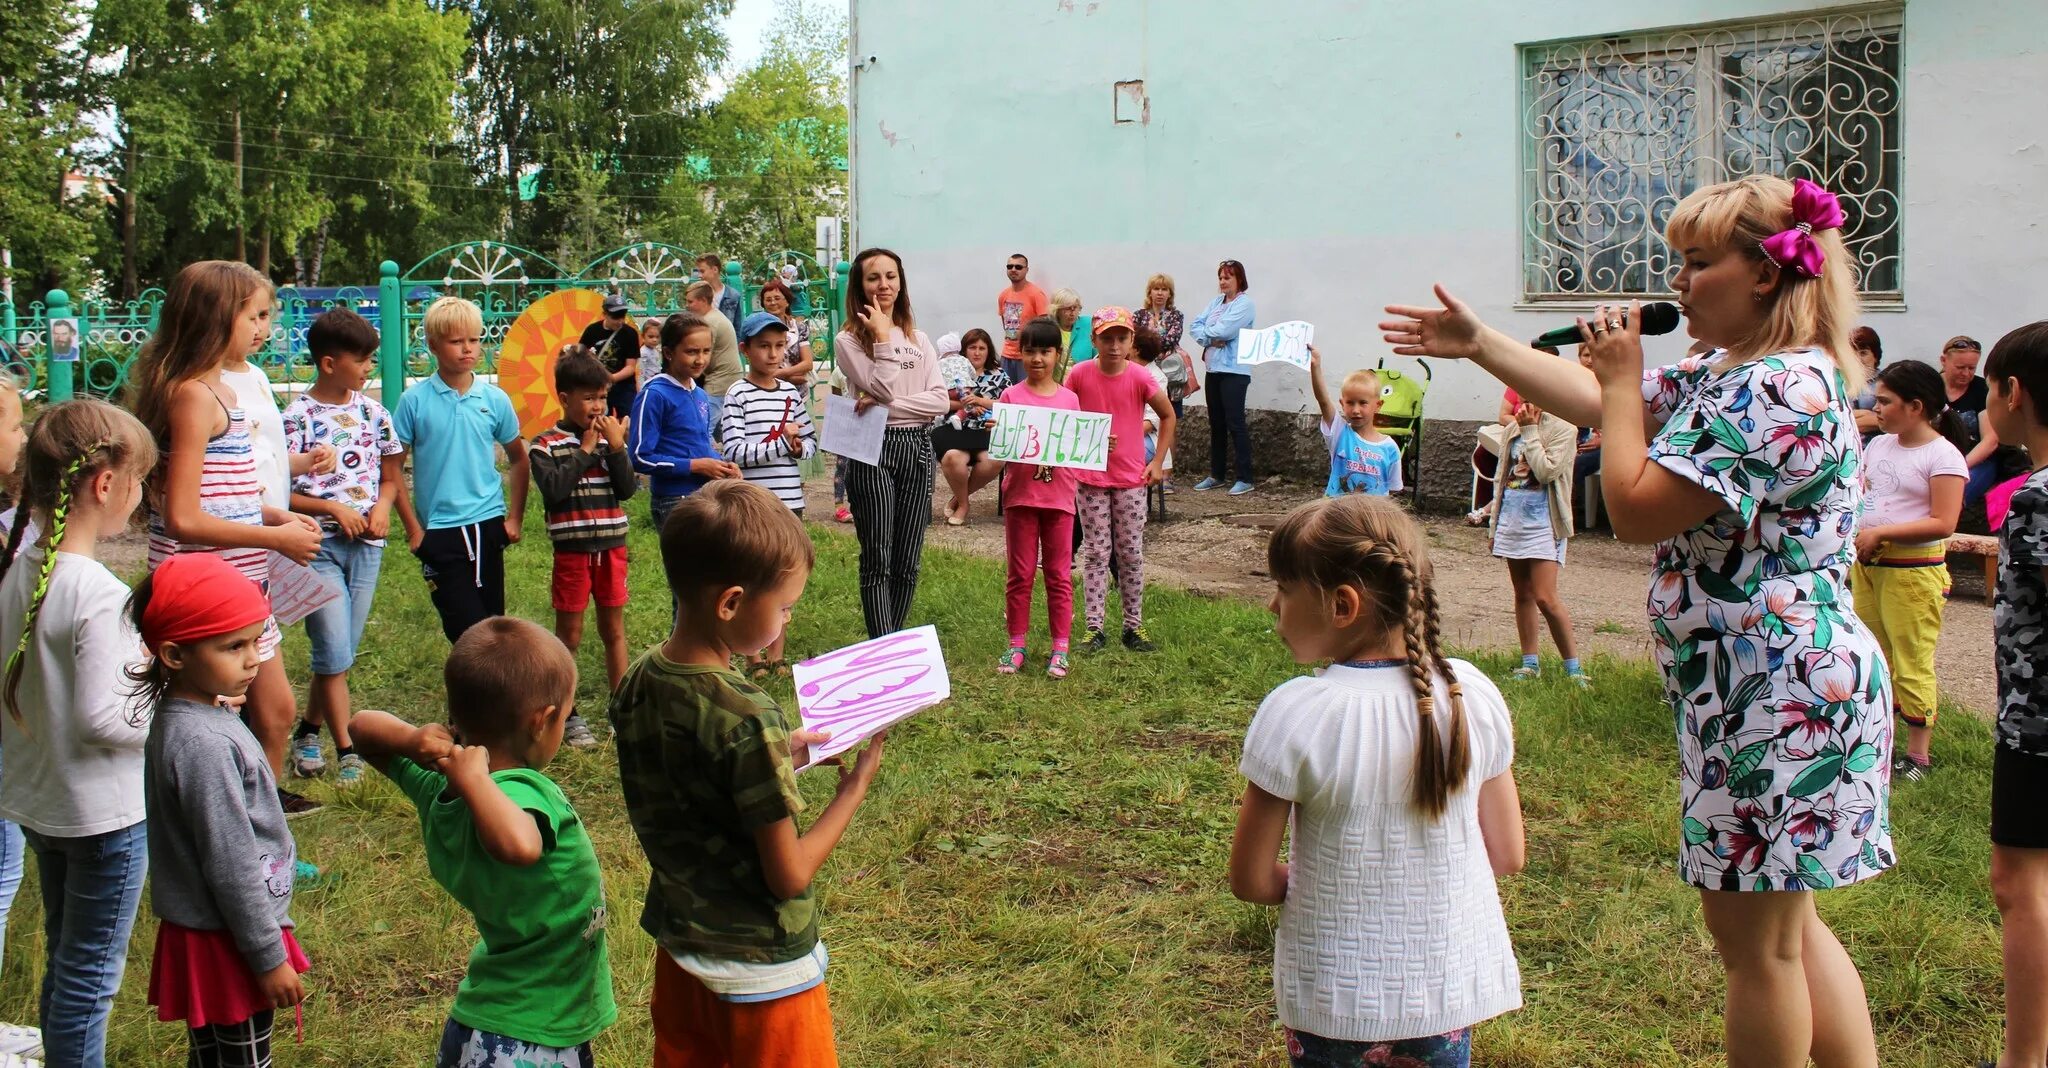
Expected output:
(576, 734)
(306, 759)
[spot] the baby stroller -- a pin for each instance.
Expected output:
(1400, 418)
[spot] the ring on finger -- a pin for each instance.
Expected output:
(1613, 324)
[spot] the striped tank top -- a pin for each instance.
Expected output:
(228, 489)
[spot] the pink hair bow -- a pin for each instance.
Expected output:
(1813, 208)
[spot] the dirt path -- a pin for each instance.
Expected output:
(1210, 544)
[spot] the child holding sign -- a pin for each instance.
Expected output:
(1113, 500)
(1038, 510)
(707, 764)
(1362, 460)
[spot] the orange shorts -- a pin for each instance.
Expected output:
(694, 1029)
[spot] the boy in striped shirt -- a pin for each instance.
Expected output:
(765, 429)
(582, 471)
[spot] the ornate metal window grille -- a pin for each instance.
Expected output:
(1619, 130)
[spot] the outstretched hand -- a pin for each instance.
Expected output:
(1451, 331)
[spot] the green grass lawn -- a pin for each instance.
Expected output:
(1038, 877)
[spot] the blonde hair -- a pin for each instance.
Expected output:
(1065, 297)
(1803, 312)
(698, 290)
(1365, 377)
(1369, 544)
(447, 316)
(1153, 283)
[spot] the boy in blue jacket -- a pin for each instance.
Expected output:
(670, 439)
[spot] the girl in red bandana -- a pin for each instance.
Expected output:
(221, 859)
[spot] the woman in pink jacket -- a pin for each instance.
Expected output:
(888, 361)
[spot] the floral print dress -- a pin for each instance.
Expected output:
(1781, 698)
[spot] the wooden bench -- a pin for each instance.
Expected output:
(1985, 549)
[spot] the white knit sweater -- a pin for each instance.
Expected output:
(1392, 927)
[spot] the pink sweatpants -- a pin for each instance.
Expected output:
(1113, 519)
(1040, 539)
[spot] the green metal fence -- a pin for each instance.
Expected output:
(502, 279)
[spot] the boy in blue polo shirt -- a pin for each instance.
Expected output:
(456, 520)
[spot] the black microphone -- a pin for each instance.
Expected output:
(1658, 318)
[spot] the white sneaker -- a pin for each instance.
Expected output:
(17, 1041)
(10, 1060)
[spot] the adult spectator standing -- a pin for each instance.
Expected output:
(888, 361)
(1016, 304)
(1967, 394)
(616, 344)
(725, 367)
(711, 272)
(778, 300)
(1216, 331)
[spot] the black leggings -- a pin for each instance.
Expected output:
(235, 1045)
(1228, 435)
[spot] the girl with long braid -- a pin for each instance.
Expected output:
(1393, 766)
(208, 498)
(71, 731)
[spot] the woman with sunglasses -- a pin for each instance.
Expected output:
(1216, 331)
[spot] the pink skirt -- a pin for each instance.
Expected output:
(199, 977)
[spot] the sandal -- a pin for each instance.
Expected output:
(759, 670)
(780, 667)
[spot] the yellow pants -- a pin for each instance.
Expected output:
(1903, 606)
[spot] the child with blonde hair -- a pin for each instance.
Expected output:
(1362, 459)
(460, 515)
(1393, 767)
(72, 735)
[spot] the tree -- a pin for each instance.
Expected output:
(558, 89)
(775, 144)
(52, 237)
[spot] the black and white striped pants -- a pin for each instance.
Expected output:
(892, 505)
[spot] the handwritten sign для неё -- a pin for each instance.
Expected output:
(1286, 342)
(1055, 437)
(861, 690)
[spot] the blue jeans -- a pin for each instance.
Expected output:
(336, 628)
(11, 846)
(91, 889)
(1982, 478)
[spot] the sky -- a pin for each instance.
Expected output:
(748, 24)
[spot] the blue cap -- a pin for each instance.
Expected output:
(759, 321)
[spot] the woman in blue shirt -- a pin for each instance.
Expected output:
(1216, 331)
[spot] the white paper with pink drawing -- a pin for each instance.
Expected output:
(862, 690)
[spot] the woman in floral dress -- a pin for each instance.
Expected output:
(1740, 466)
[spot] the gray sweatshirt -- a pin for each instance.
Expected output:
(220, 857)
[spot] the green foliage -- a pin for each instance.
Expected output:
(39, 120)
(1038, 877)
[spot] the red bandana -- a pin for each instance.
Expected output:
(198, 596)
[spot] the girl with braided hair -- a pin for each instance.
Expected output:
(72, 733)
(1393, 767)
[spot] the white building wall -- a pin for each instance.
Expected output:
(1351, 152)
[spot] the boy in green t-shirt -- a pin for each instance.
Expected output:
(503, 840)
(708, 765)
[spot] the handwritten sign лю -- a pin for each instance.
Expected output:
(1281, 343)
(861, 690)
(1055, 437)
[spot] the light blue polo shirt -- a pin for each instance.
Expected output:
(454, 438)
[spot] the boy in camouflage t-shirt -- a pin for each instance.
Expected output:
(2017, 408)
(708, 765)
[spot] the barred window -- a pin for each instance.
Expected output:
(1619, 130)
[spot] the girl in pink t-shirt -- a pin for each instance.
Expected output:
(1113, 500)
(1038, 510)
(1913, 477)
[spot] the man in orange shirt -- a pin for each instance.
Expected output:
(1016, 304)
